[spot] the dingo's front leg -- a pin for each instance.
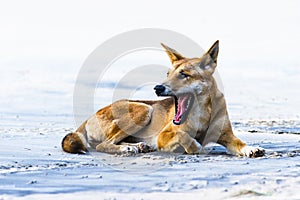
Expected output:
(169, 140)
(237, 147)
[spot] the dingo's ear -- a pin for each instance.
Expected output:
(209, 59)
(173, 55)
(213, 51)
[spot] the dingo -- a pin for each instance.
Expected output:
(195, 113)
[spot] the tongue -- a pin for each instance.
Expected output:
(181, 108)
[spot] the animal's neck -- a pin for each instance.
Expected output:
(218, 103)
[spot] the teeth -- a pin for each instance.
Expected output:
(183, 106)
(188, 103)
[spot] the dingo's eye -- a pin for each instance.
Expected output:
(168, 72)
(183, 75)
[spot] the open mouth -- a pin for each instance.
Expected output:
(183, 105)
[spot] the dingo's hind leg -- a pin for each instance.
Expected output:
(141, 146)
(128, 118)
(116, 149)
(124, 148)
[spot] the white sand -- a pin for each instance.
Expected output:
(34, 167)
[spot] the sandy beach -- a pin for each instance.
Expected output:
(33, 166)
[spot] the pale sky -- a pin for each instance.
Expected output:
(44, 43)
(70, 30)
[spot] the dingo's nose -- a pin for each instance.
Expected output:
(159, 89)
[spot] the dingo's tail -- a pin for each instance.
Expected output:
(76, 142)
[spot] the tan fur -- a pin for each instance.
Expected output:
(148, 124)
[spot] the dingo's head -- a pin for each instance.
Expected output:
(189, 78)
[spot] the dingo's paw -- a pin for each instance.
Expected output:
(252, 152)
(129, 149)
(144, 148)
